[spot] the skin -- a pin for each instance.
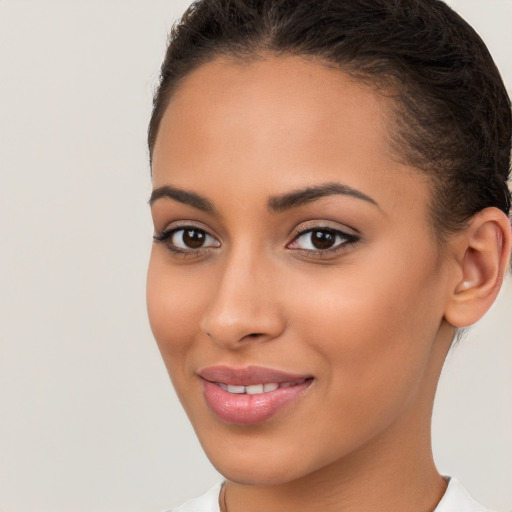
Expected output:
(368, 322)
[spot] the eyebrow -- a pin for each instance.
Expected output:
(275, 203)
(309, 194)
(182, 196)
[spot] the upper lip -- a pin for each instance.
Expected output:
(248, 376)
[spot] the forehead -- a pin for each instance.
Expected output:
(271, 102)
(277, 123)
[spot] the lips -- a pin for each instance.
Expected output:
(250, 395)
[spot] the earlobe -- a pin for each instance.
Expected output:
(483, 253)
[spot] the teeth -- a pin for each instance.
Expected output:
(236, 389)
(256, 389)
(290, 384)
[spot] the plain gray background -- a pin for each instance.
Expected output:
(88, 419)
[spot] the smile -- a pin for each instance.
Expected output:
(256, 389)
(250, 395)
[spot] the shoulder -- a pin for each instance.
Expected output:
(458, 499)
(207, 502)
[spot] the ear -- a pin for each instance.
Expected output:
(482, 257)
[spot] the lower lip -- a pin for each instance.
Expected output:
(244, 409)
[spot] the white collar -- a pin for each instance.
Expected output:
(455, 499)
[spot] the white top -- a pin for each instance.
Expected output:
(455, 499)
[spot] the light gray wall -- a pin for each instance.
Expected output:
(88, 420)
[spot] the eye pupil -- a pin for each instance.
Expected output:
(323, 239)
(194, 238)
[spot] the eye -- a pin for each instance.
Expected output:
(186, 239)
(322, 240)
(191, 238)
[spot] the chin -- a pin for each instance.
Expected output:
(261, 463)
(249, 469)
(257, 475)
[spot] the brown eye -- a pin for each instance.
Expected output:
(323, 239)
(187, 239)
(192, 238)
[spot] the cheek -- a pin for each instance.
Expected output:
(372, 331)
(174, 301)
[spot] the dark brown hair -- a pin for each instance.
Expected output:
(452, 116)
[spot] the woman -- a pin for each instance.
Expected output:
(331, 208)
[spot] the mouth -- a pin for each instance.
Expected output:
(250, 395)
(257, 389)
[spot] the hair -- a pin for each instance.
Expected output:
(451, 113)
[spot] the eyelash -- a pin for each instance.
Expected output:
(165, 238)
(348, 239)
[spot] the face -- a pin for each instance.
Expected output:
(295, 288)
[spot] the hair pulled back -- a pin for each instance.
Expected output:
(452, 115)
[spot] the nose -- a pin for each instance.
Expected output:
(243, 306)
